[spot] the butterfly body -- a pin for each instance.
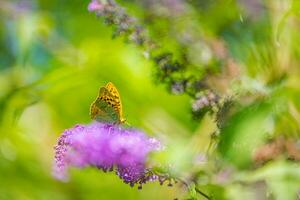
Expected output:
(108, 106)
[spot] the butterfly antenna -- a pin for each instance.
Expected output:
(127, 123)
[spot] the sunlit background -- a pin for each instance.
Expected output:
(54, 56)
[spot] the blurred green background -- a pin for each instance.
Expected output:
(54, 56)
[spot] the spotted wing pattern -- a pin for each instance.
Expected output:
(107, 107)
(117, 99)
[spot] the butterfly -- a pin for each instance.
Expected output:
(108, 106)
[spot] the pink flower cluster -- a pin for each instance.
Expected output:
(107, 147)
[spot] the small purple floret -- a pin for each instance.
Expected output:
(95, 5)
(106, 147)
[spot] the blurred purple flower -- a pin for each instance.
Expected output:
(203, 100)
(106, 147)
(253, 8)
(95, 5)
(166, 7)
(177, 87)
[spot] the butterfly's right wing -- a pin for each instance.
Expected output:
(117, 104)
(102, 109)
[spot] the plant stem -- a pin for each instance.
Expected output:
(196, 189)
(202, 193)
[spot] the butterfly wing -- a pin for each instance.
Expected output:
(102, 109)
(118, 104)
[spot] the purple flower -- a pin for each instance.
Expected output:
(107, 147)
(206, 99)
(95, 5)
(177, 88)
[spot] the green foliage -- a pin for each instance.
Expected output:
(239, 138)
(55, 55)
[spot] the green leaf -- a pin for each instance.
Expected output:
(192, 191)
(245, 131)
(282, 178)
